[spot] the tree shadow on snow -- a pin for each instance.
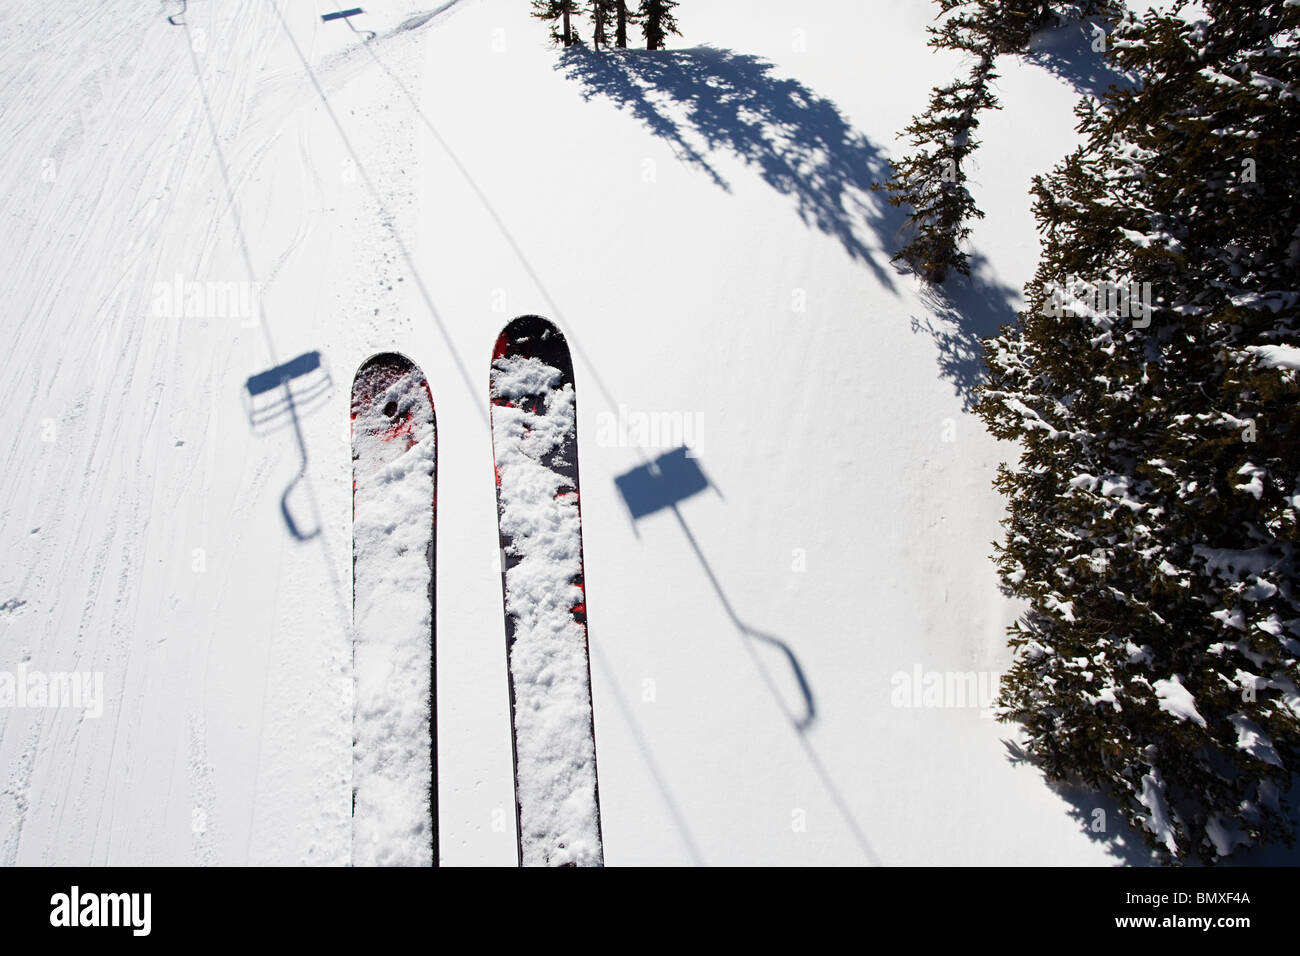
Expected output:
(1098, 816)
(963, 312)
(1067, 52)
(706, 100)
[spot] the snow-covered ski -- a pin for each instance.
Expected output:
(535, 442)
(394, 507)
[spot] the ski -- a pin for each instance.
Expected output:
(535, 445)
(394, 508)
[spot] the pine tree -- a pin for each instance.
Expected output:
(657, 22)
(600, 11)
(932, 179)
(560, 14)
(1154, 517)
(622, 16)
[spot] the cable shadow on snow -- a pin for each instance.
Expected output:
(661, 485)
(281, 375)
(301, 479)
(707, 101)
(386, 217)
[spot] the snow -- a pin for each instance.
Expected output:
(1153, 798)
(1230, 617)
(1253, 486)
(414, 194)
(1253, 740)
(1223, 836)
(1277, 356)
(558, 813)
(1177, 700)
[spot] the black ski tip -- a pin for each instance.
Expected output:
(377, 373)
(534, 337)
(395, 361)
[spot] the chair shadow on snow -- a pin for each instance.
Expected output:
(276, 399)
(706, 100)
(661, 485)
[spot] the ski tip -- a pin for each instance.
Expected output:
(384, 360)
(378, 374)
(531, 335)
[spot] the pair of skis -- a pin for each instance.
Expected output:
(394, 452)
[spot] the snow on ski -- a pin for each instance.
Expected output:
(535, 443)
(394, 760)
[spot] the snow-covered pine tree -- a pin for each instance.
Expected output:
(560, 14)
(1152, 522)
(932, 178)
(657, 22)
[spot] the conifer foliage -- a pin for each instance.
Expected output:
(600, 12)
(657, 22)
(655, 17)
(1152, 386)
(560, 14)
(931, 180)
(622, 17)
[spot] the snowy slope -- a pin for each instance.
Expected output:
(700, 227)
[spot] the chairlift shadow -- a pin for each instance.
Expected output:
(661, 484)
(346, 16)
(276, 399)
(272, 398)
(179, 13)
